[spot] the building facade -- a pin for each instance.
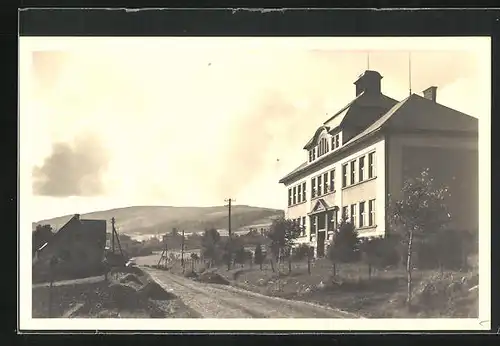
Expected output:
(360, 157)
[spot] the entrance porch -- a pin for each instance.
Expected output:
(323, 220)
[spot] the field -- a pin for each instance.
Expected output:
(122, 295)
(447, 294)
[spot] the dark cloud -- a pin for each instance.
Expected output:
(72, 169)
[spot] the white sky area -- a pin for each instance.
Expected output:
(114, 122)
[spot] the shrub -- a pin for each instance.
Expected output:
(301, 252)
(344, 245)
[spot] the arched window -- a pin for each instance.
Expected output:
(323, 146)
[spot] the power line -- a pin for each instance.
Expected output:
(229, 252)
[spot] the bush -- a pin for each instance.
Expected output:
(380, 252)
(447, 296)
(445, 249)
(344, 245)
(301, 252)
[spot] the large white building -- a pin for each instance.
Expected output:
(363, 154)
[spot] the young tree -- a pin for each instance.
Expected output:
(41, 235)
(304, 251)
(419, 213)
(209, 245)
(344, 245)
(259, 256)
(194, 259)
(240, 256)
(282, 234)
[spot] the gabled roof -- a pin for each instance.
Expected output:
(413, 113)
(418, 113)
(86, 223)
(377, 103)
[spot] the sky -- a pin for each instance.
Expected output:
(108, 123)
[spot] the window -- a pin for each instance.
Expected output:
(303, 225)
(361, 168)
(327, 149)
(289, 197)
(337, 142)
(344, 175)
(345, 213)
(331, 220)
(299, 193)
(332, 180)
(319, 186)
(353, 214)
(333, 143)
(353, 172)
(314, 153)
(313, 224)
(310, 155)
(371, 212)
(371, 165)
(294, 195)
(362, 214)
(304, 191)
(325, 183)
(313, 187)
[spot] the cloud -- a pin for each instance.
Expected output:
(72, 169)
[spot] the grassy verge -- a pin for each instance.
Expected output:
(383, 295)
(123, 295)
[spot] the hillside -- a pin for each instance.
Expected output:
(143, 220)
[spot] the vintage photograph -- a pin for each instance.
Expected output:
(254, 178)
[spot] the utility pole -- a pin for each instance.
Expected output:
(182, 251)
(113, 234)
(163, 257)
(229, 249)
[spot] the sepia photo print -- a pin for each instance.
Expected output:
(171, 183)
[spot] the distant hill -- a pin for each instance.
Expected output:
(142, 220)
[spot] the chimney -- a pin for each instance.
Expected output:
(369, 83)
(430, 93)
(77, 216)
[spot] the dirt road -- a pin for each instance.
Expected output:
(221, 301)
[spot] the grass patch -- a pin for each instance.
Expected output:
(382, 295)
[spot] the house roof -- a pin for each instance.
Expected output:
(87, 224)
(413, 113)
(363, 103)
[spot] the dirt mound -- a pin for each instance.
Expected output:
(191, 274)
(131, 278)
(213, 278)
(124, 296)
(155, 292)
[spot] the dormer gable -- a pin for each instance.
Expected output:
(323, 142)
